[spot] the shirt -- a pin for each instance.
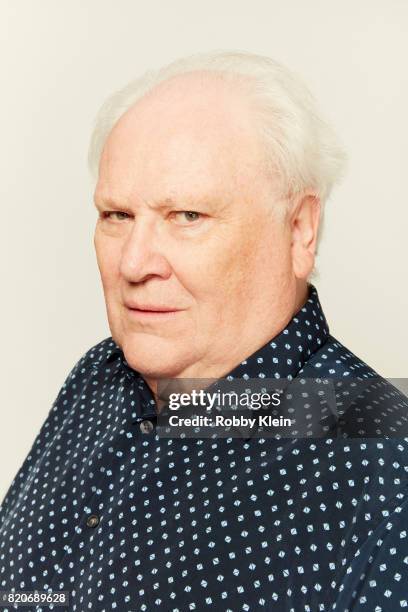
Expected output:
(123, 519)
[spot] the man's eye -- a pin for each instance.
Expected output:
(186, 217)
(115, 215)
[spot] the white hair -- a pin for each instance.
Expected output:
(301, 148)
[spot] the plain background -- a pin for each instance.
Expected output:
(59, 60)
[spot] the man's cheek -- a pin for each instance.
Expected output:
(109, 263)
(111, 284)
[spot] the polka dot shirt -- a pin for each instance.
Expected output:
(123, 519)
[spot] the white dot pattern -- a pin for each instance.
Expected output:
(127, 521)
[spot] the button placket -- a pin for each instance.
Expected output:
(146, 426)
(92, 520)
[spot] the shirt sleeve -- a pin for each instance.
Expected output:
(60, 408)
(376, 580)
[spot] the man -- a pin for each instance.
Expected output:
(212, 174)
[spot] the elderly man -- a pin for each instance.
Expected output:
(211, 177)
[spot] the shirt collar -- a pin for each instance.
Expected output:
(283, 356)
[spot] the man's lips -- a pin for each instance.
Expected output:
(150, 310)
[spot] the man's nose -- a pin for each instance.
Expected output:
(142, 256)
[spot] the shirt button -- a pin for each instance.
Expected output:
(146, 426)
(92, 520)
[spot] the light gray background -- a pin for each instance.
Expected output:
(58, 62)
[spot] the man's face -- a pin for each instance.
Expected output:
(187, 223)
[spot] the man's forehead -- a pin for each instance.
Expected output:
(197, 93)
(183, 114)
(187, 150)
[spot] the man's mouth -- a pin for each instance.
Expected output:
(151, 311)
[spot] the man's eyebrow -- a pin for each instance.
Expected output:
(169, 202)
(107, 202)
(165, 203)
(210, 203)
(102, 202)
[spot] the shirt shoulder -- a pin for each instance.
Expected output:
(335, 359)
(78, 378)
(365, 403)
(99, 353)
(71, 390)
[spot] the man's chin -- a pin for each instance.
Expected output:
(158, 358)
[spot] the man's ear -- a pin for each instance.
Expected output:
(304, 224)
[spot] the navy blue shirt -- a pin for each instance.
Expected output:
(126, 520)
